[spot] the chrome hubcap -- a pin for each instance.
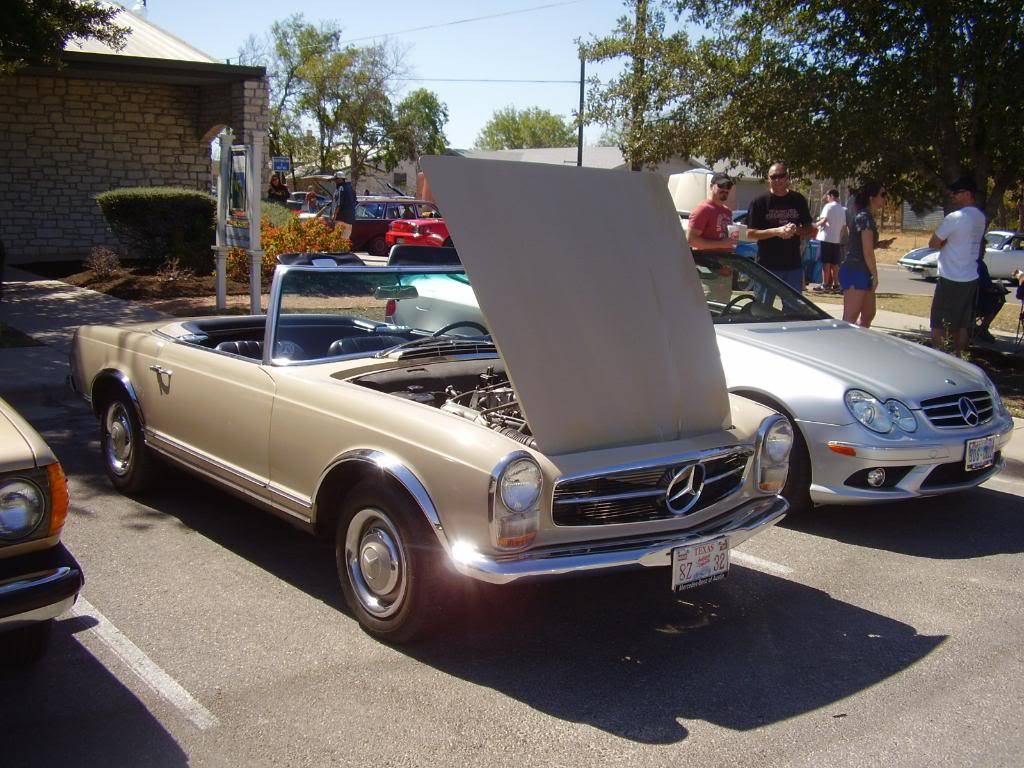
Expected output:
(119, 439)
(375, 557)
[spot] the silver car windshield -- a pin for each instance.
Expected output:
(739, 291)
(320, 313)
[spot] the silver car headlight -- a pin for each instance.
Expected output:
(22, 508)
(901, 415)
(775, 445)
(517, 484)
(869, 411)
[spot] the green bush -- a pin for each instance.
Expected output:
(276, 214)
(162, 223)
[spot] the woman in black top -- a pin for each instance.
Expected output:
(278, 192)
(858, 273)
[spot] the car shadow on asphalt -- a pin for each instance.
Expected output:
(622, 653)
(619, 652)
(975, 523)
(69, 709)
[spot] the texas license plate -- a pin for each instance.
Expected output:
(980, 453)
(699, 564)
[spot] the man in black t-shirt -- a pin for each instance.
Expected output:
(778, 221)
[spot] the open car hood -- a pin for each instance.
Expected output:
(606, 336)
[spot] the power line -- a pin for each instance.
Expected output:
(466, 21)
(478, 80)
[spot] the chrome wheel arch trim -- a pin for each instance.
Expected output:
(122, 378)
(398, 471)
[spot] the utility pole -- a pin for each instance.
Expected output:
(579, 135)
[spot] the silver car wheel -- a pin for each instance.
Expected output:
(118, 448)
(376, 562)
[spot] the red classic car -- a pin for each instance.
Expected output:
(429, 231)
(374, 214)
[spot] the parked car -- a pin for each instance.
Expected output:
(1004, 252)
(297, 201)
(39, 578)
(429, 231)
(374, 215)
(426, 455)
(877, 418)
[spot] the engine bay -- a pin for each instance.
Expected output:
(478, 391)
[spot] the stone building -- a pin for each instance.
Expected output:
(142, 116)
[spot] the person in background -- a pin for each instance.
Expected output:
(312, 205)
(344, 211)
(991, 298)
(278, 192)
(708, 226)
(777, 221)
(830, 232)
(958, 238)
(858, 273)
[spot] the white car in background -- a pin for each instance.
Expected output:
(1004, 252)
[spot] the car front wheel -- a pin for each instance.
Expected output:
(378, 246)
(389, 564)
(126, 459)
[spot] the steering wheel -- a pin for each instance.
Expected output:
(460, 324)
(737, 299)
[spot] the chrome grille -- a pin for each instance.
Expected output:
(944, 412)
(639, 495)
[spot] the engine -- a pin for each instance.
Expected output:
(493, 403)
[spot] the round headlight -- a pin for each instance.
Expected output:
(901, 415)
(520, 485)
(22, 506)
(869, 411)
(778, 441)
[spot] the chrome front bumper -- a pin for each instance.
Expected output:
(648, 552)
(37, 587)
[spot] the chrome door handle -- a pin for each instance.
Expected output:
(161, 371)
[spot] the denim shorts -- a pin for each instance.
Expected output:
(850, 277)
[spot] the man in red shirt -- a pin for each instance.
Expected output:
(708, 226)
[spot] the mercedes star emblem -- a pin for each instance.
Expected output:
(969, 411)
(684, 489)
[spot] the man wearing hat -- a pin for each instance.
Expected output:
(708, 225)
(958, 239)
(344, 204)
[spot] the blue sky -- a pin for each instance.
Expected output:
(535, 45)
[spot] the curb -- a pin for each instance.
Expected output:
(1014, 468)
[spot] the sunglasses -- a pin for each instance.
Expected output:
(778, 176)
(724, 185)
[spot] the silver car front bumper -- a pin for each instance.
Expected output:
(830, 471)
(648, 552)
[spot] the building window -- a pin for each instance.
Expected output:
(400, 179)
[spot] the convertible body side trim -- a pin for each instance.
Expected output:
(397, 470)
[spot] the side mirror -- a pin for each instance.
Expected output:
(388, 292)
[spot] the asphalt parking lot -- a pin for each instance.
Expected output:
(212, 634)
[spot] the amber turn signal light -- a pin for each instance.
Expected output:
(59, 499)
(843, 450)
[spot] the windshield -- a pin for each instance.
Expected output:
(739, 291)
(320, 313)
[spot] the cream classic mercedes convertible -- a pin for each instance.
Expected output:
(583, 433)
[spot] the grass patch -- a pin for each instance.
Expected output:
(12, 337)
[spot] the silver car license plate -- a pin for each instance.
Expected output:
(699, 564)
(980, 453)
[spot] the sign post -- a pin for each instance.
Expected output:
(221, 248)
(253, 176)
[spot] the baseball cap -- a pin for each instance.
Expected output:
(721, 178)
(339, 174)
(963, 184)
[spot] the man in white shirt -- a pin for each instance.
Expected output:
(959, 238)
(830, 229)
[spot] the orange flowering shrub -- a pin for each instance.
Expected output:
(298, 235)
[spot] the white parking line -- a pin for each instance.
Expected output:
(162, 684)
(752, 561)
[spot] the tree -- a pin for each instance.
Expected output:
(510, 128)
(418, 129)
(913, 93)
(648, 103)
(36, 31)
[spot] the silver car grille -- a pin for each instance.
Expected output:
(641, 495)
(953, 411)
